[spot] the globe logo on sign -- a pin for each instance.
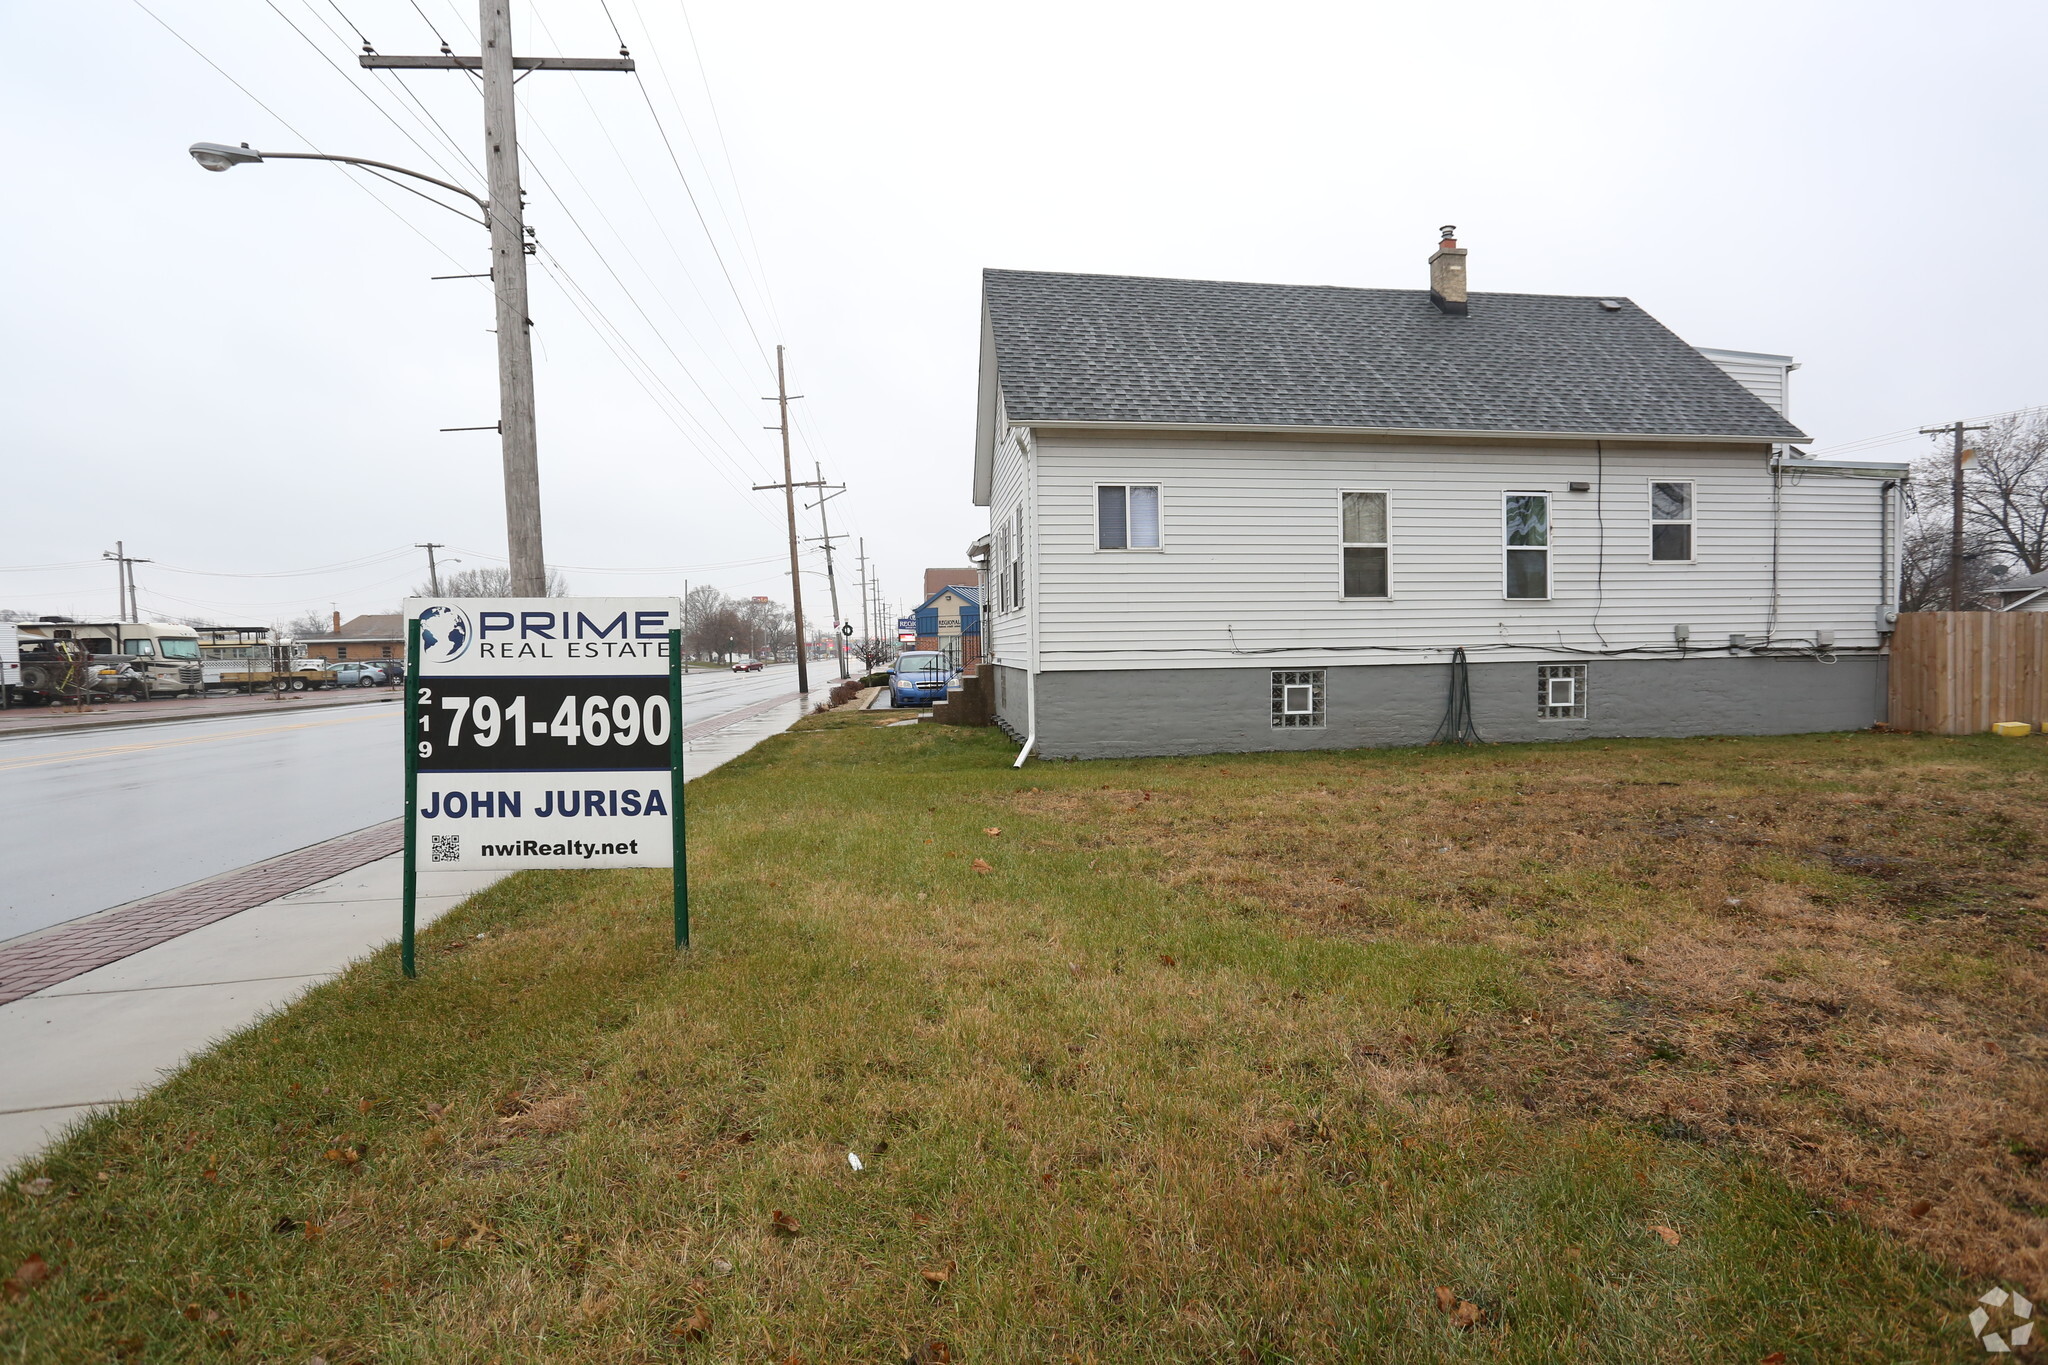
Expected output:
(444, 634)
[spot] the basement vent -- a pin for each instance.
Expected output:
(1298, 699)
(1561, 692)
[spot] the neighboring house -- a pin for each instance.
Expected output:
(934, 579)
(2029, 593)
(1234, 516)
(363, 637)
(950, 619)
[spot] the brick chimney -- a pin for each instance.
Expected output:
(337, 624)
(1447, 274)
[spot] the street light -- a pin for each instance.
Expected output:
(515, 346)
(218, 156)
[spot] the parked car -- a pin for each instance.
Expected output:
(919, 679)
(369, 673)
(747, 666)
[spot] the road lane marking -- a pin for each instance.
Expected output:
(113, 750)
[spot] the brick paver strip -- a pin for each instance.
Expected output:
(69, 950)
(58, 954)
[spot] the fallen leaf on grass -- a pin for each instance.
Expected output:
(38, 1187)
(992, 831)
(1920, 1209)
(693, 1327)
(195, 1313)
(432, 1138)
(784, 1224)
(1462, 1312)
(315, 1231)
(30, 1273)
(1774, 1358)
(1166, 959)
(210, 1174)
(929, 1353)
(720, 1266)
(1670, 1235)
(981, 865)
(939, 1274)
(365, 1106)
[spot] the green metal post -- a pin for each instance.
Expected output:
(412, 790)
(679, 847)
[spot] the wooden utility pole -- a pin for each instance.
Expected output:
(1955, 545)
(124, 579)
(789, 485)
(509, 249)
(831, 579)
(434, 573)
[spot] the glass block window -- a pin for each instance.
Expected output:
(1671, 522)
(1561, 691)
(1298, 699)
(1365, 544)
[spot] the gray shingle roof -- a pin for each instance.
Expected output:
(1117, 348)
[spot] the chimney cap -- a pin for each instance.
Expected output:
(1447, 231)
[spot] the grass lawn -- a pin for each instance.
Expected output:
(1648, 1050)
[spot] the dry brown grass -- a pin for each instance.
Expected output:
(1831, 954)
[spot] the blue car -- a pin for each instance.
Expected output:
(919, 679)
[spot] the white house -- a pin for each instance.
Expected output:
(1230, 516)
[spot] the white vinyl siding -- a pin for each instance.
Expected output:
(1767, 376)
(1006, 627)
(1251, 559)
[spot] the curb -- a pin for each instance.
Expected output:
(45, 731)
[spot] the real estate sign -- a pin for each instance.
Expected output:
(543, 732)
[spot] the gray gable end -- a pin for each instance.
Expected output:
(1132, 350)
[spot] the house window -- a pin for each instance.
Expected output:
(1298, 699)
(1126, 516)
(341, 651)
(1525, 533)
(1561, 692)
(1365, 544)
(1671, 522)
(387, 651)
(1017, 561)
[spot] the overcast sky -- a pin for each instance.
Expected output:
(242, 375)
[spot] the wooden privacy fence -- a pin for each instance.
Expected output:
(1961, 672)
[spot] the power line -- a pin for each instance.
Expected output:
(287, 125)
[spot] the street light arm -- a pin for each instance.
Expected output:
(380, 165)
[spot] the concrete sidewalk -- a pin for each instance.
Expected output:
(111, 1033)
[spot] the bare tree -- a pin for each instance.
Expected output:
(308, 623)
(1924, 561)
(2005, 489)
(487, 583)
(873, 650)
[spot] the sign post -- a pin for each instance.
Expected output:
(543, 732)
(680, 891)
(412, 790)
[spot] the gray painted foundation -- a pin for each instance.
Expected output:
(1133, 713)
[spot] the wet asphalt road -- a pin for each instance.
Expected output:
(93, 820)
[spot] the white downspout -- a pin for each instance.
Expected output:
(1030, 552)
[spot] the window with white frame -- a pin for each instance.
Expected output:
(1671, 521)
(1364, 517)
(1126, 516)
(1298, 698)
(1017, 561)
(1525, 540)
(1561, 691)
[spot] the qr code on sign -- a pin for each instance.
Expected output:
(447, 848)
